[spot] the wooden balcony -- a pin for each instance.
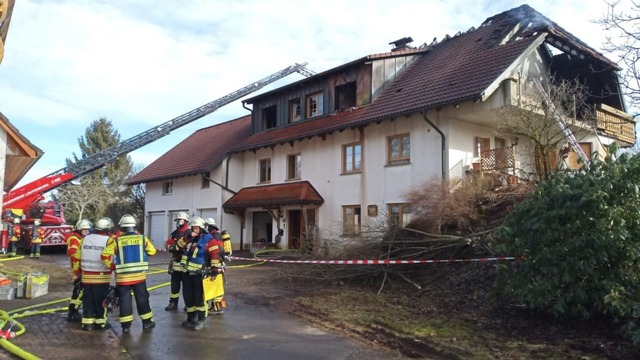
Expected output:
(498, 160)
(615, 123)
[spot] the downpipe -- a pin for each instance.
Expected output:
(443, 150)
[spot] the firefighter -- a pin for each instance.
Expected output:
(175, 245)
(194, 260)
(74, 241)
(96, 276)
(37, 235)
(127, 254)
(14, 236)
(217, 304)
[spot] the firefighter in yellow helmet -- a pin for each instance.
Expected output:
(96, 276)
(15, 232)
(74, 241)
(37, 235)
(175, 245)
(127, 254)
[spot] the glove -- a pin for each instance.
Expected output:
(227, 259)
(170, 269)
(205, 272)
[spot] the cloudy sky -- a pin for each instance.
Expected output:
(140, 63)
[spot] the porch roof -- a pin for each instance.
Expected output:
(296, 193)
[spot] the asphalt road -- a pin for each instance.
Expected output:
(244, 331)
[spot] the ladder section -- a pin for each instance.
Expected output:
(563, 125)
(97, 160)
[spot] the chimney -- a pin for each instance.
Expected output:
(402, 44)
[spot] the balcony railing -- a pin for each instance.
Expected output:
(616, 123)
(500, 160)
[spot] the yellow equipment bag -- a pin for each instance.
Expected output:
(213, 287)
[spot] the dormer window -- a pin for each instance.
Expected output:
(345, 96)
(269, 117)
(315, 105)
(295, 110)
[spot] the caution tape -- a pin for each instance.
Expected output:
(377, 262)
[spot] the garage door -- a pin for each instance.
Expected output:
(158, 229)
(210, 213)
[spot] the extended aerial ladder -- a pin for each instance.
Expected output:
(28, 197)
(25, 195)
(563, 125)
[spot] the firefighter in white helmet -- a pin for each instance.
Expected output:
(74, 242)
(96, 276)
(175, 245)
(197, 261)
(37, 235)
(15, 232)
(127, 254)
(217, 304)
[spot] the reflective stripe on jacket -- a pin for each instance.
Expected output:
(131, 256)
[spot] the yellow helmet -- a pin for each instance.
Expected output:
(182, 216)
(83, 224)
(104, 224)
(197, 221)
(127, 221)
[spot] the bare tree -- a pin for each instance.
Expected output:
(623, 40)
(85, 198)
(535, 120)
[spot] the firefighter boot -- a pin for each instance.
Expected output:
(191, 320)
(87, 327)
(173, 305)
(74, 316)
(148, 324)
(199, 325)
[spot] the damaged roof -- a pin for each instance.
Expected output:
(467, 66)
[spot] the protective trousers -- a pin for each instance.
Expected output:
(141, 295)
(35, 250)
(13, 248)
(76, 296)
(176, 281)
(193, 295)
(92, 310)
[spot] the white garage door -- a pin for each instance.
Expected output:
(158, 229)
(210, 213)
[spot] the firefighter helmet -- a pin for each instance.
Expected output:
(83, 224)
(36, 222)
(182, 216)
(104, 224)
(197, 221)
(127, 221)
(211, 222)
(16, 221)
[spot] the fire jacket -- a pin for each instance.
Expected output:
(37, 234)
(94, 271)
(127, 255)
(193, 259)
(74, 242)
(15, 235)
(175, 244)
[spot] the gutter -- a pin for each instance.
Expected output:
(442, 143)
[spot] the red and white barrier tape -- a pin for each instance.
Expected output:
(376, 262)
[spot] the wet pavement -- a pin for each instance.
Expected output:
(244, 331)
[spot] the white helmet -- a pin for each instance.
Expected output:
(211, 222)
(197, 221)
(104, 224)
(182, 216)
(16, 221)
(36, 222)
(127, 221)
(83, 224)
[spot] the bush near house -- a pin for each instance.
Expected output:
(578, 238)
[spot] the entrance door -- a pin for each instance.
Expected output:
(301, 229)
(295, 228)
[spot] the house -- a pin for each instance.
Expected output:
(319, 158)
(17, 153)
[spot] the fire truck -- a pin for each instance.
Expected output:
(27, 202)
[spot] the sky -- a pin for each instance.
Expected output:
(140, 63)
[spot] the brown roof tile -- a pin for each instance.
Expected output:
(201, 151)
(297, 193)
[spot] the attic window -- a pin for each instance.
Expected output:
(315, 104)
(345, 96)
(167, 188)
(269, 117)
(294, 110)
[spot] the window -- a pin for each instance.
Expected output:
(399, 149)
(352, 158)
(572, 158)
(481, 144)
(167, 188)
(351, 220)
(314, 105)
(269, 117)
(500, 143)
(294, 166)
(398, 214)
(205, 180)
(294, 110)
(265, 170)
(345, 96)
